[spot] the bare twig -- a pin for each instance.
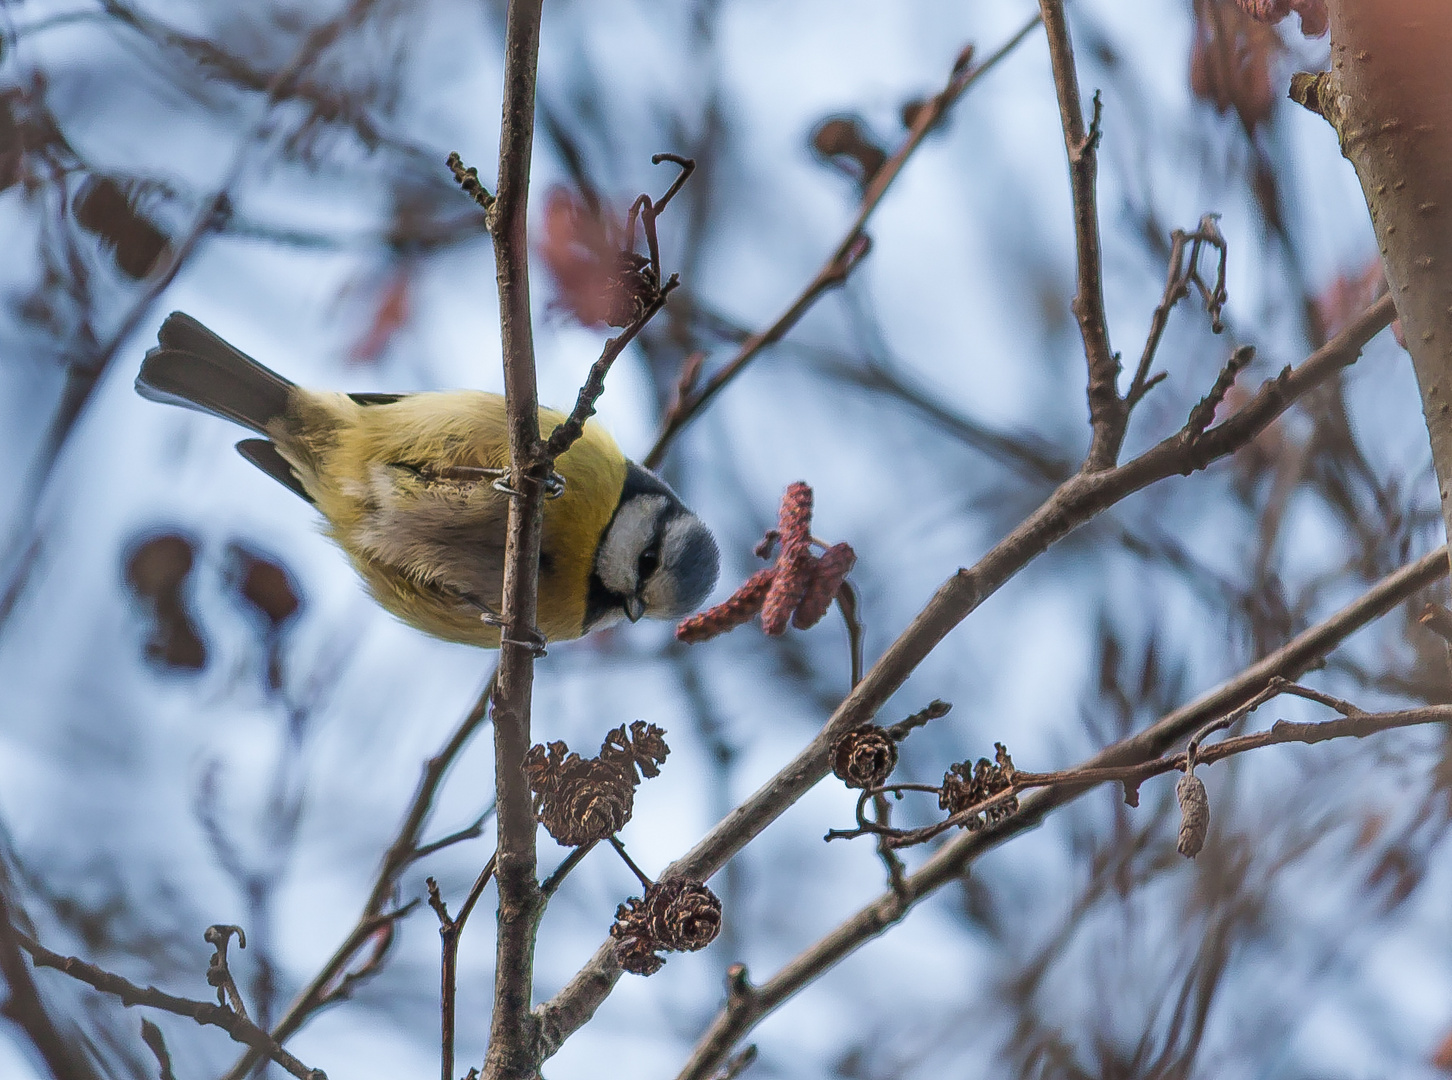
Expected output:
(1359, 724)
(1300, 654)
(471, 831)
(850, 607)
(840, 263)
(331, 983)
(155, 1042)
(84, 376)
(573, 426)
(233, 1023)
(450, 929)
(554, 881)
(1182, 273)
(640, 874)
(514, 1032)
(1107, 412)
(24, 1008)
(1079, 499)
(218, 973)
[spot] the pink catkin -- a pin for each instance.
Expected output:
(831, 570)
(731, 612)
(795, 565)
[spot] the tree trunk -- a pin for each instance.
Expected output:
(1389, 96)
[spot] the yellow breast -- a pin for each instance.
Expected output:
(340, 443)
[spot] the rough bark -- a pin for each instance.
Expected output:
(1389, 97)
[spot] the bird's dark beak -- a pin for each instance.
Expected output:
(634, 608)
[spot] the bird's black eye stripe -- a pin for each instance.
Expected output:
(649, 560)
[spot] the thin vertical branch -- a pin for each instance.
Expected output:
(513, 1037)
(1107, 412)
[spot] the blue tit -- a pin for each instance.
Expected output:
(406, 485)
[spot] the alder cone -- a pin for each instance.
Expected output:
(864, 757)
(581, 800)
(635, 946)
(680, 915)
(964, 787)
(684, 914)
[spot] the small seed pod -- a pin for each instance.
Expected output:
(684, 914)
(1194, 814)
(965, 786)
(580, 799)
(635, 946)
(864, 757)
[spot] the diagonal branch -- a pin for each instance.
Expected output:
(233, 1023)
(1076, 501)
(1299, 655)
(844, 258)
(25, 1009)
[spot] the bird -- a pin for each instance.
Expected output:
(411, 487)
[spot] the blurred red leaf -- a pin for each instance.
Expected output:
(390, 315)
(107, 208)
(1314, 20)
(264, 585)
(1442, 1056)
(1231, 60)
(157, 571)
(592, 273)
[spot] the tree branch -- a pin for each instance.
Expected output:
(1306, 650)
(514, 1032)
(24, 1008)
(841, 262)
(1076, 501)
(1107, 411)
(1389, 97)
(233, 1023)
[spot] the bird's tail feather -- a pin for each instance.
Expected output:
(194, 367)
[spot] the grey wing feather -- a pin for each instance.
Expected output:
(367, 398)
(265, 456)
(444, 532)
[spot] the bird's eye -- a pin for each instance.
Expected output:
(649, 560)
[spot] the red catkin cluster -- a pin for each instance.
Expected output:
(798, 589)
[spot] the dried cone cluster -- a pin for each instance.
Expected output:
(798, 589)
(581, 800)
(964, 788)
(864, 757)
(679, 915)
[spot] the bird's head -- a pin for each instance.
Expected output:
(656, 559)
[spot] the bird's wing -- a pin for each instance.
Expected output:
(443, 532)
